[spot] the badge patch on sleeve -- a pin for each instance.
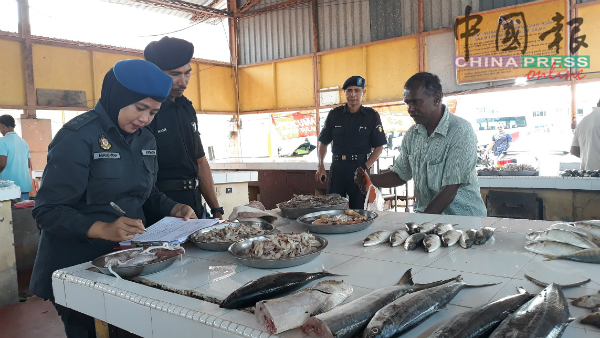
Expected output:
(106, 156)
(104, 144)
(380, 128)
(149, 152)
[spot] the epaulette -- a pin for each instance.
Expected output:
(81, 120)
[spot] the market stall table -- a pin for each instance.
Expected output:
(168, 305)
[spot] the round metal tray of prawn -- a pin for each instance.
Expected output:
(238, 249)
(297, 212)
(138, 270)
(223, 246)
(307, 222)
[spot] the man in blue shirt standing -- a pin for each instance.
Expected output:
(500, 142)
(15, 160)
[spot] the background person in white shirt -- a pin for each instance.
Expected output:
(586, 140)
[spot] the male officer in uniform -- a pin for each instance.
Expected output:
(183, 171)
(355, 131)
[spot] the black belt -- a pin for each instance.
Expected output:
(359, 157)
(170, 185)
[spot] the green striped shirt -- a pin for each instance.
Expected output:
(446, 157)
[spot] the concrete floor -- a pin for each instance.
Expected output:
(32, 319)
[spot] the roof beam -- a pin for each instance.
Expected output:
(192, 8)
(276, 7)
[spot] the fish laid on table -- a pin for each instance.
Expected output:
(572, 228)
(442, 228)
(131, 258)
(413, 241)
(590, 229)
(426, 228)
(451, 237)
(588, 302)
(483, 235)
(289, 312)
(592, 319)
(409, 311)
(378, 237)
(411, 227)
(481, 321)
(467, 239)
(398, 237)
(268, 287)
(562, 236)
(550, 248)
(346, 320)
(432, 242)
(585, 255)
(545, 315)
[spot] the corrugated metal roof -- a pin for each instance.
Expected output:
(343, 23)
(174, 12)
(485, 5)
(441, 14)
(388, 18)
(276, 35)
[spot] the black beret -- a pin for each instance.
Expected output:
(354, 81)
(169, 53)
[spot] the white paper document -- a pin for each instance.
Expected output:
(172, 230)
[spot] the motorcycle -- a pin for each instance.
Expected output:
(483, 157)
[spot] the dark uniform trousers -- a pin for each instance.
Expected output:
(341, 181)
(77, 325)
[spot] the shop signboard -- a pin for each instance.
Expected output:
(299, 124)
(394, 117)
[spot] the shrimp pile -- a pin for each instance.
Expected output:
(229, 233)
(310, 201)
(348, 217)
(282, 246)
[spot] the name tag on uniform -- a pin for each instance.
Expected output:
(149, 152)
(106, 155)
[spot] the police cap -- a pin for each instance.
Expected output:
(354, 81)
(169, 53)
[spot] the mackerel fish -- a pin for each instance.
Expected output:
(426, 228)
(432, 242)
(549, 248)
(413, 241)
(592, 319)
(585, 255)
(442, 228)
(377, 238)
(398, 237)
(467, 239)
(451, 237)
(483, 235)
(562, 236)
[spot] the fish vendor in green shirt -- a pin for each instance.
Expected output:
(438, 152)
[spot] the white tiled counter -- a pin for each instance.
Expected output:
(540, 182)
(153, 312)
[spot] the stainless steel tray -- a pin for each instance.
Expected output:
(133, 271)
(297, 212)
(237, 251)
(307, 220)
(223, 246)
(517, 173)
(487, 173)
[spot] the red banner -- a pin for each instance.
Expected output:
(296, 125)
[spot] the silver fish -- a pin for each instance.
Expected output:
(585, 255)
(413, 241)
(591, 222)
(483, 235)
(409, 311)
(550, 248)
(546, 315)
(289, 312)
(596, 309)
(411, 227)
(346, 320)
(432, 242)
(442, 228)
(426, 228)
(467, 239)
(377, 237)
(451, 237)
(398, 237)
(562, 236)
(570, 227)
(587, 302)
(591, 230)
(481, 321)
(593, 319)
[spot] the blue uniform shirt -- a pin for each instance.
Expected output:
(16, 151)
(353, 133)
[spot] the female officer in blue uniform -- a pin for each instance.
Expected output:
(105, 155)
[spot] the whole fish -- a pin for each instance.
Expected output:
(377, 237)
(451, 237)
(592, 222)
(467, 239)
(413, 241)
(572, 228)
(482, 320)
(426, 228)
(442, 228)
(270, 286)
(591, 230)
(592, 319)
(432, 242)
(483, 235)
(411, 227)
(289, 312)
(587, 302)
(550, 248)
(546, 315)
(596, 309)
(346, 320)
(409, 311)
(562, 236)
(585, 255)
(398, 237)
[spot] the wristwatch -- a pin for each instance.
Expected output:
(215, 210)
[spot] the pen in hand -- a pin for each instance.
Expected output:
(121, 211)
